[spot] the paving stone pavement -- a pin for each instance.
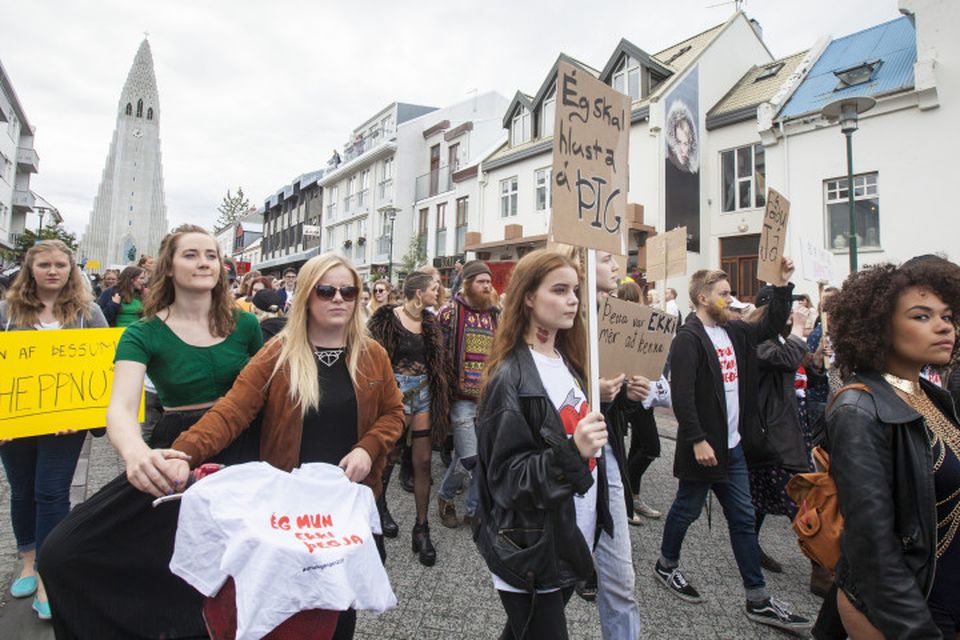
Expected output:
(455, 598)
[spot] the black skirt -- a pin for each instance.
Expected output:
(106, 565)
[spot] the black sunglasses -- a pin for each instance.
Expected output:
(379, 290)
(327, 292)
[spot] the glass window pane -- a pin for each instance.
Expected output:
(838, 225)
(745, 194)
(728, 183)
(618, 82)
(760, 175)
(633, 78)
(744, 162)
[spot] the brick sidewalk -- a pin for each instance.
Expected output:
(455, 598)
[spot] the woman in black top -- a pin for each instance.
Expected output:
(420, 364)
(895, 447)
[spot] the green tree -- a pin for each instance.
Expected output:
(232, 208)
(415, 256)
(29, 238)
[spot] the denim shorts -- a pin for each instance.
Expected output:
(419, 402)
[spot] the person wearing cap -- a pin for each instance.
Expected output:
(288, 288)
(714, 385)
(468, 324)
(268, 307)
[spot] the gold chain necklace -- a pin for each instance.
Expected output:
(406, 312)
(942, 435)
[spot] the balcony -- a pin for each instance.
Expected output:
(23, 199)
(437, 181)
(28, 160)
(362, 145)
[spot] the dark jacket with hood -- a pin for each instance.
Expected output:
(779, 362)
(882, 464)
(528, 471)
(385, 328)
(699, 400)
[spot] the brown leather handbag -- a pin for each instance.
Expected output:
(818, 523)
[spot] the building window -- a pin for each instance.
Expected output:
(743, 178)
(544, 198)
(362, 195)
(331, 238)
(548, 112)
(422, 221)
(441, 246)
(453, 157)
(520, 131)
(385, 231)
(360, 248)
(866, 206)
(348, 199)
(769, 71)
(150, 113)
(332, 206)
(508, 197)
(626, 77)
(140, 108)
(129, 109)
(461, 223)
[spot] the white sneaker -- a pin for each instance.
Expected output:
(641, 507)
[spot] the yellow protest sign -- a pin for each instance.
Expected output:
(55, 380)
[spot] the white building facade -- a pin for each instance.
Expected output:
(18, 161)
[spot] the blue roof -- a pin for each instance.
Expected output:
(894, 43)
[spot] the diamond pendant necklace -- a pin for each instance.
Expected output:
(328, 357)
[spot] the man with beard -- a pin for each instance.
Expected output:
(714, 383)
(468, 325)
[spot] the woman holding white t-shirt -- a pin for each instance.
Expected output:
(537, 438)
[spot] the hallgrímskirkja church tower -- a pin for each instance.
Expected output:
(129, 216)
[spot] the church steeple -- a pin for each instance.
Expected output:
(129, 216)
(139, 98)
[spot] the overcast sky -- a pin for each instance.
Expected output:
(255, 93)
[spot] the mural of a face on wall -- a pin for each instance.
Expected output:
(682, 159)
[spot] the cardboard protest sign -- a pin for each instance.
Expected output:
(590, 141)
(667, 255)
(634, 339)
(817, 261)
(773, 237)
(55, 380)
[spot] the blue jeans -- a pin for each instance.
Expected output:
(39, 470)
(418, 402)
(616, 602)
(734, 497)
(463, 414)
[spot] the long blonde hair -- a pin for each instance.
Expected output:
(72, 302)
(162, 292)
(373, 304)
(296, 351)
(516, 315)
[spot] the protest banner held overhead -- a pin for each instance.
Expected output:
(590, 144)
(55, 380)
(773, 236)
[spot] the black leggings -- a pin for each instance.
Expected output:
(644, 446)
(547, 619)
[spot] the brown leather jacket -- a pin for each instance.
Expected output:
(379, 413)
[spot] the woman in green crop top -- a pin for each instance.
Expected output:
(192, 343)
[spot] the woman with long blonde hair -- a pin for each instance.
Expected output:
(537, 438)
(192, 343)
(48, 294)
(381, 292)
(325, 390)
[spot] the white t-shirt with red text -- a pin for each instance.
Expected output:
(731, 380)
(291, 541)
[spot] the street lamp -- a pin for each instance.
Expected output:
(847, 111)
(392, 215)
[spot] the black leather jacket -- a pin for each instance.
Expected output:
(526, 524)
(882, 464)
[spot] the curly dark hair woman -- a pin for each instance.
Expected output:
(895, 446)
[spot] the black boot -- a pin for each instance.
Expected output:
(387, 523)
(423, 545)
